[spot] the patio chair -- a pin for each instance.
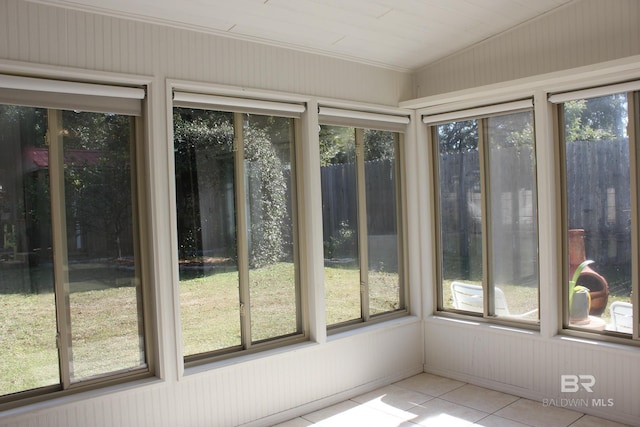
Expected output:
(469, 297)
(622, 316)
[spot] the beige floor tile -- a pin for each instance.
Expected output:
(433, 385)
(360, 415)
(438, 412)
(392, 398)
(330, 411)
(496, 421)
(479, 398)
(535, 414)
(591, 421)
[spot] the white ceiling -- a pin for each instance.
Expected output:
(399, 34)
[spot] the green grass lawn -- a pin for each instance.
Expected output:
(211, 314)
(104, 335)
(105, 322)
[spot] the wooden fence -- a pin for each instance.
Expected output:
(339, 207)
(597, 201)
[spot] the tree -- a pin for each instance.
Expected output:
(337, 145)
(98, 186)
(596, 118)
(210, 135)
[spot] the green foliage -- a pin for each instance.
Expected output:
(343, 244)
(378, 145)
(337, 145)
(211, 134)
(270, 210)
(458, 137)
(98, 182)
(596, 119)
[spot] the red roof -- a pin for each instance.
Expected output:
(40, 157)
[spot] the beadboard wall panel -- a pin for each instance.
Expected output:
(526, 364)
(261, 391)
(582, 33)
(43, 34)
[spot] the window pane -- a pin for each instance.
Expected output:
(27, 315)
(598, 207)
(382, 221)
(460, 208)
(104, 290)
(513, 240)
(206, 217)
(340, 224)
(268, 149)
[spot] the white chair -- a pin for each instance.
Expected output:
(622, 316)
(469, 297)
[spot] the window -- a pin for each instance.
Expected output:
(362, 223)
(71, 280)
(486, 213)
(237, 240)
(599, 169)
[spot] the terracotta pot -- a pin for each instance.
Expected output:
(589, 278)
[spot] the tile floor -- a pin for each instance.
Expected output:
(430, 400)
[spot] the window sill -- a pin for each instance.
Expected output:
(60, 398)
(486, 324)
(372, 326)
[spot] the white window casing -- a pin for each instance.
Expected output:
(595, 92)
(479, 112)
(66, 95)
(363, 119)
(237, 105)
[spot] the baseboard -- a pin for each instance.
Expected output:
(332, 400)
(529, 394)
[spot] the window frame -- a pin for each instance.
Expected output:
(632, 91)
(480, 114)
(121, 97)
(395, 122)
(239, 106)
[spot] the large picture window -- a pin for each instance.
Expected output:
(70, 263)
(361, 199)
(598, 134)
(236, 219)
(486, 206)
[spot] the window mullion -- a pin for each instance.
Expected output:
(485, 185)
(242, 232)
(436, 209)
(363, 252)
(633, 100)
(59, 244)
(401, 201)
(295, 136)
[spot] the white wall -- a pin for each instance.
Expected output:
(585, 44)
(41, 34)
(262, 388)
(583, 32)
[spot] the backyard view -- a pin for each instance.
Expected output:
(360, 217)
(236, 222)
(598, 205)
(71, 305)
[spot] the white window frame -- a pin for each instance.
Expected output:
(480, 114)
(632, 90)
(188, 96)
(391, 120)
(119, 96)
